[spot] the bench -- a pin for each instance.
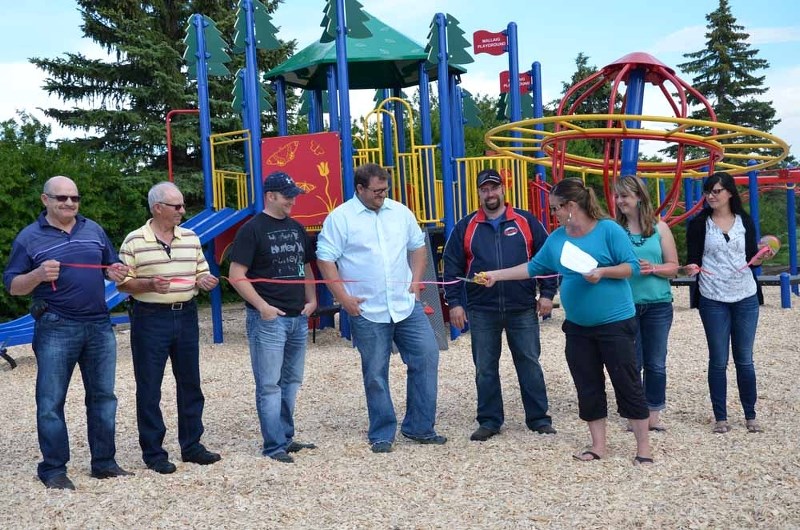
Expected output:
(784, 280)
(328, 310)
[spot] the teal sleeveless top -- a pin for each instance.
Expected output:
(650, 288)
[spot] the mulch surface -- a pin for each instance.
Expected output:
(517, 479)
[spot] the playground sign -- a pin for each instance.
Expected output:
(525, 82)
(487, 42)
(313, 161)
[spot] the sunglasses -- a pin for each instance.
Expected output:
(64, 198)
(177, 207)
(715, 191)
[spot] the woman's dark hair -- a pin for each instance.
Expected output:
(727, 182)
(573, 189)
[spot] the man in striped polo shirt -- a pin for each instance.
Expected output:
(167, 270)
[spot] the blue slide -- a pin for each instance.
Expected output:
(207, 224)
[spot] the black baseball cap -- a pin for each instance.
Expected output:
(489, 176)
(283, 184)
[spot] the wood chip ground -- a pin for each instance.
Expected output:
(515, 480)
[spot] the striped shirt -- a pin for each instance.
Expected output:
(148, 258)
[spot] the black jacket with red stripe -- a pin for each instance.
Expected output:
(474, 246)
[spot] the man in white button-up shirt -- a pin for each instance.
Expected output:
(369, 238)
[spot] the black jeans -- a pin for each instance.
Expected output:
(159, 333)
(612, 345)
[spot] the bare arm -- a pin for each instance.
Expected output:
(616, 272)
(520, 272)
(311, 291)
(24, 284)
(419, 262)
(669, 251)
(144, 285)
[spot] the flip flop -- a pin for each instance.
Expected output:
(639, 460)
(592, 454)
(754, 427)
(658, 428)
(721, 428)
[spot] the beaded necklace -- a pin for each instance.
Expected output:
(637, 239)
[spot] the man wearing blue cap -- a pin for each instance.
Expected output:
(495, 236)
(272, 245)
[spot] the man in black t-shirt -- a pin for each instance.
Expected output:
(273, 246)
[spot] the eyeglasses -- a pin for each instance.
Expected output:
(178, 207)
(64, 198)
(714, 191)
(379, 191)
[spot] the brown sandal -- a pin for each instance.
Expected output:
(721, 427)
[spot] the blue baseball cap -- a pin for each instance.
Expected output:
(283, 184)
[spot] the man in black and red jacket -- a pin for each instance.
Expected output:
(497, 236)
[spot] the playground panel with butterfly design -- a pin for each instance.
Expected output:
(313, 161)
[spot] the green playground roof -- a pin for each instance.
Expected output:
(387, 59)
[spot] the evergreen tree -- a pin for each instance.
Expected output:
(121, 101)
(725, 73)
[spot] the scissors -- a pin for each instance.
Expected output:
(478, 278)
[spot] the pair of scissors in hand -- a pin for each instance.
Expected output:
(479, 278)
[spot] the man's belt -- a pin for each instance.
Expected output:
(174, 306)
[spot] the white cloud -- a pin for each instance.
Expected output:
(690, 38)
(774, 35)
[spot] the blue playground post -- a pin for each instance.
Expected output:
(752, 183)
(792, 232)
(252, 105)
(343, 79)
(333, 99)
(400, 120)
(313, 111)
(320, 108)
(386, 127)
(444, 117)
(280, 100)
(425, 106)
(425, 118)
(634, 102)
(538, 112)
(662, 192)
(200, 24)
(513, 72)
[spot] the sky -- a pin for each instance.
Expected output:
(552, 33)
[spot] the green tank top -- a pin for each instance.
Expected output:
(649, 289)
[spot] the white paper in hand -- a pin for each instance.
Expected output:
(577, 260)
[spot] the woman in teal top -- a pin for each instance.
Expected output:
(658, 259)
(600, 323)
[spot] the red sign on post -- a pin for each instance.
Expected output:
(487, 42)
(525, 82)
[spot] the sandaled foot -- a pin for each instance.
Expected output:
(753, 426)
(640, 460)
(586, 455)
(658, 427)
(721, 427)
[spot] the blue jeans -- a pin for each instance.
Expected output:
(655, 321)
(731, 324)
(277, 353)
(522, 333)
(419, 351)
(60, 343)
(157, 335)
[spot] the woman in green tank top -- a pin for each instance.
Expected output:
(658, 258)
